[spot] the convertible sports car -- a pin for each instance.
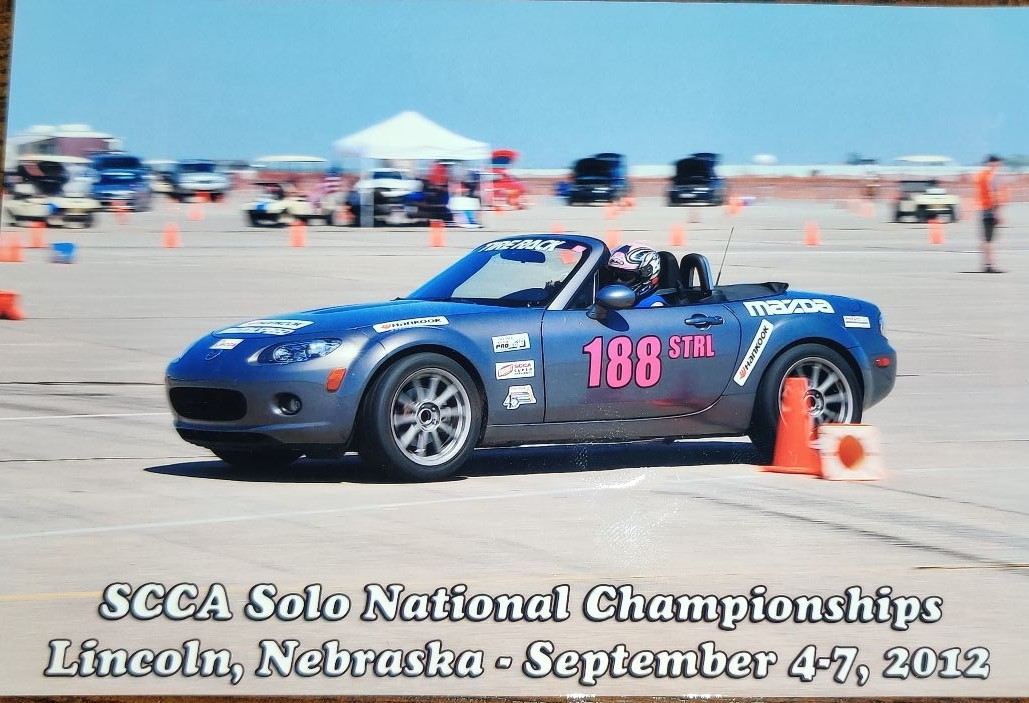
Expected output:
(524, 341)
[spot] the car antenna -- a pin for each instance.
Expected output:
(727, 242)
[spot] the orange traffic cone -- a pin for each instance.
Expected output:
(812, 234)
(171, 236)
(436, 233)
(14, 254)
(628, 202)
(204, 197)
(678, 235)
(5, 250)
(38, 236)
(610, 211)
(557, 229)
(196, 212)
(612, 238)
(9, 306)
(298, 233)
(935, 232)
(793, 451)
(121, 212)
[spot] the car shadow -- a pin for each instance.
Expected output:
(518, 461)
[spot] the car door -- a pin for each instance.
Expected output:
(647, 362)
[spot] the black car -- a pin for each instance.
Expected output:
(696, 181)
(599, 178)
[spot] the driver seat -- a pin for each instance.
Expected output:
(669, 281)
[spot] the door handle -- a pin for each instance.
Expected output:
(703, 321)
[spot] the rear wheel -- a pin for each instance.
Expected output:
(421, 418)
(834, 393)
(260, 459)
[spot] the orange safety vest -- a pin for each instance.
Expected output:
(984, 190)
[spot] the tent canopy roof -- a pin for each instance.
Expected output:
(410, 135)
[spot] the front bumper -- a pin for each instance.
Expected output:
(318, 423)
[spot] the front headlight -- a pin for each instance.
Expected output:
(292, 352)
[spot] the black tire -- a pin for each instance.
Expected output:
(259, 459)
(252, 218)
(217, 197)
(764, 423)
(403, 409)
(898, 216)
(88, 221)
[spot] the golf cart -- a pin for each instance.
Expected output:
(41, 192)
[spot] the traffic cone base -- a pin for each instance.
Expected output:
(794, 453)
(38, 236)
(850, 452)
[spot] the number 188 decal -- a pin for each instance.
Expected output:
(627, 362)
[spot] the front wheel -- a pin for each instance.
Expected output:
(260, 459)
(834, 392)
(421, 418)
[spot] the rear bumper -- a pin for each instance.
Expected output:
(879, 381)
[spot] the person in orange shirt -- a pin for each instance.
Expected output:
(988, 197)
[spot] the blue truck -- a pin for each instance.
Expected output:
(120, 181)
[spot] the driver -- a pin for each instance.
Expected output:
(637, 267)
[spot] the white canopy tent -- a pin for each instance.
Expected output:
(408, 136)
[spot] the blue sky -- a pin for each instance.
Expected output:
(554, 80)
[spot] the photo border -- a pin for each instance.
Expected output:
(6, 44)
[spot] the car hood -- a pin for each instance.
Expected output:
(374, 318)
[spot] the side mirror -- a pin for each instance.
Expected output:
(614, 297)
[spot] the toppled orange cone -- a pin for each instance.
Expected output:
(9, 306)
(850, 452)
(794, 453)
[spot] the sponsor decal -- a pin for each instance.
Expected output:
(268, 327)
(532, 244)
(764, 331)
(395, 325)
(519, 395)
(856, 321)
(788, 306)
(226, 344)
(511, 342)
(516, 369)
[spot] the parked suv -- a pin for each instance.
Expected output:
(695, 181)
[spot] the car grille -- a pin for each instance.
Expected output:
(208, 403)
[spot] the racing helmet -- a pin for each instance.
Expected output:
(637, 267)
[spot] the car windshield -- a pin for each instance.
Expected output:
(387, 174)
(512, 272)
(197, 168)
(118, 162)
(918, 186)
